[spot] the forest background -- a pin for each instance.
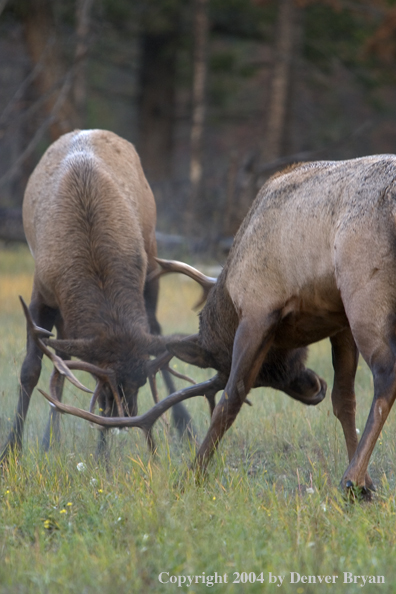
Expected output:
(216, 95)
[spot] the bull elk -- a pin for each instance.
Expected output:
(314, 258)
(89, 218)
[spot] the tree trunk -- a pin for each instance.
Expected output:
(2, 5)
(277, 113)
(201, 30)
(83, 10)
(278, 102)
(157, 103)
(40, 36)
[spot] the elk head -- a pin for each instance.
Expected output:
(118, 384)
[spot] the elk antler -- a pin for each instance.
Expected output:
(104, 376)
(64, 367)
(145, 421)
(161, 363)
(37, 333)
(179, 375)
(167, 266)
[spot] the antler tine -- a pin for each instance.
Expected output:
(102, 374)
(64, 367)
(145, 421)
(34, 330)
(179, 375)
(153, 387)
(161, 363)
(167, 266)
(153, 367)
(37, 333)
(95, 396)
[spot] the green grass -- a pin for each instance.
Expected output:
(65, 530)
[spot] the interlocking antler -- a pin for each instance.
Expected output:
(103, 376)
(147, 420)
(161, 363)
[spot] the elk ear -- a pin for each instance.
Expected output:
(189, 350)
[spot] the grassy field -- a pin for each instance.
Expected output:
(269, 507)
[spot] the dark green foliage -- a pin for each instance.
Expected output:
(242, 18)
(335, 35)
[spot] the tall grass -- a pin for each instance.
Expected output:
(270, 502)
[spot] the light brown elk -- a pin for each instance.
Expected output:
(314, 258)
(89, 218)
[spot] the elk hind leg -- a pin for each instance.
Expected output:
(384, 397)
(373, 329)
(345, 357)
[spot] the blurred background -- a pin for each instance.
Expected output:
(216, 95)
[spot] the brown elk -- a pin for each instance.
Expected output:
(89, 218)
(314, 258)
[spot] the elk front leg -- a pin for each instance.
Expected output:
(102, 449)
(30, 373)
(251, 344)
(52, 430)
(180, 416)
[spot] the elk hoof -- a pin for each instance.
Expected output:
(358, 493)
